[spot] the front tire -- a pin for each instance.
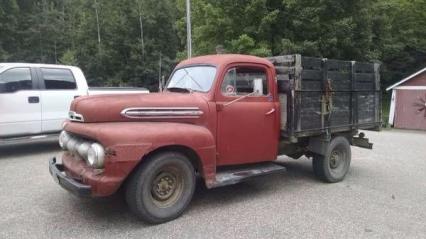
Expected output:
(161, 188)
(334, 165)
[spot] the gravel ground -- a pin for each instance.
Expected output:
(382, 197)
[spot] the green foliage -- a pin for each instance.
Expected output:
(68, 58)
(66, 31)
(391, 32)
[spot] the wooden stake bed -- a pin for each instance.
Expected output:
(320, 95)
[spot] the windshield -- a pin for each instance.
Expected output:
(194, 78)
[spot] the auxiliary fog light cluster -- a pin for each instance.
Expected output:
(92, 152)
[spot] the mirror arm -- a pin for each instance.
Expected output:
(239, 98)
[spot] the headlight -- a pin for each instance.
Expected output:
(96, 155)
(83, 149)
(71, 144)
(63, 139)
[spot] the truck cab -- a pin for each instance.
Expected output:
(220, 117)
(34, 97)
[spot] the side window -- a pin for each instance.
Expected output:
(58, 79)
(15, 79)
(245, 80)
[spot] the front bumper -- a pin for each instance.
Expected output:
(66, 182)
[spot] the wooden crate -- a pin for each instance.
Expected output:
(326, 96)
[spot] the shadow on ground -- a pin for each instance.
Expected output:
(114, 210)
(19, 150)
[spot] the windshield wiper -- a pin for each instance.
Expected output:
(179, 89)
(190, 77)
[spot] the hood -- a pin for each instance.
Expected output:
(165, 106)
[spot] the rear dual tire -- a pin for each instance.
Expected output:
(161, 188)
(333, 166)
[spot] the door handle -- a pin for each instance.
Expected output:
(270, 112)
(33, 99)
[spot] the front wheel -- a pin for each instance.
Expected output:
(161, 188)
(333, 166)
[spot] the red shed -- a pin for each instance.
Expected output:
(408, 102)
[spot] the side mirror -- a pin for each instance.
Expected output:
(258, 86)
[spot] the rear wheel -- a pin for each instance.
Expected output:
(161, 188)
(334, 165)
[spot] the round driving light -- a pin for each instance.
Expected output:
(83, 149)
(71, 144)
(95, 155)
(63, 139)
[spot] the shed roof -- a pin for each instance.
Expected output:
(406, 79)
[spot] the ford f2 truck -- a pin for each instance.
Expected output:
(224, 118)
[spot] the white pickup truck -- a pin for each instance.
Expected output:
(35, 98)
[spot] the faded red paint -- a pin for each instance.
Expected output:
(407, 115)
(129, 140)
(419, 80)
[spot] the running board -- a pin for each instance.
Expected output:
(238, 174)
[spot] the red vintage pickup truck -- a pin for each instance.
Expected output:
(225, 118)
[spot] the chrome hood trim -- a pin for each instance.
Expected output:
(162, 112)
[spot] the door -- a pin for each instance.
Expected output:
(20, 108)
(247, 116)
(59, 89)
(410, 111)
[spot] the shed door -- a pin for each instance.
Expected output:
(410, 112)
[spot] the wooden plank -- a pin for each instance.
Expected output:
(284, 86)
(339, 76)
(283, 77)
(310, 110)
(365, 77)
(340, 80)
(284, 113)
(311, 74)
(339, 66)
(311, 63)
(284, 70)
(361, 67)
(286, 59)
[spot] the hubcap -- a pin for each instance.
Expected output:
(163, 186)
(335, 159)
(167, 187)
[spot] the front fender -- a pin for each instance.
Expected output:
(127, 142)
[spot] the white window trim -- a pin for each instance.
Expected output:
(410, 88)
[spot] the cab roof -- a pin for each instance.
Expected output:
(224, 59)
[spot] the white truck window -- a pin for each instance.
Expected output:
(58, 79)
(15, 79)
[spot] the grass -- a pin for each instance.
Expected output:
(385, 109)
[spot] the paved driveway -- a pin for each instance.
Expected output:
(383, 196)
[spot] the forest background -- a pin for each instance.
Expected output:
(121, 43)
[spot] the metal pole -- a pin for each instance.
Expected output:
(97, 24)
(160, 85)
(188, 27)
